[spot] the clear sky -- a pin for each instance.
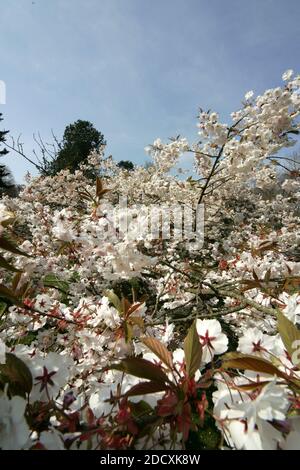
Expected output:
(138, 69)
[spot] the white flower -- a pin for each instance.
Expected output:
(99, 399)
(4, 213)
(255, 342)
(272, 403)
(179, 361)
(50, 374)
(168, 334)
(263, 437)
(43, 303)
(63, 232)
(32, 323)
(249, 95)
(107, 314)
(14, 431)
(2, 352)
(248, 419)
(62, 228)
(287, 74)
(291, 185)
(212, 339)
(292, 307)
(51, 440)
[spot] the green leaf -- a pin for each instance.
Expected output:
(128, 332)
(160, 350)
(16, 280)
(141, 368)
(17, 375)
(5, 223)
(6, 293)
(114, 299)
(52, 280)
(141, 409)
(192, 351)
(290, 336)
(139, 321)
(8, 245)
(3, 307)
(6, 265)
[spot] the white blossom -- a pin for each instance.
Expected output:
(212, 339)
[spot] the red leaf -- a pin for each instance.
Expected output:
(143, 369)
(159, 350)
(144, 388)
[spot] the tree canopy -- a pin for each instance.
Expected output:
(7, 184)
(126, 165)
(79, 140)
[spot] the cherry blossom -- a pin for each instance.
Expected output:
(87, 282)
(212, 339)
(2, 352)
(14, 431)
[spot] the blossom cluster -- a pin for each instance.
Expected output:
(114, 341)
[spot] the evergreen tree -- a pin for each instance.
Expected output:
(126, 165)
(7, 185)
(2, 139)
(79, 140)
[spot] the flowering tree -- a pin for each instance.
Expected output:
(111, 338)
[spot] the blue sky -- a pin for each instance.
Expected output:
(138, 69)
